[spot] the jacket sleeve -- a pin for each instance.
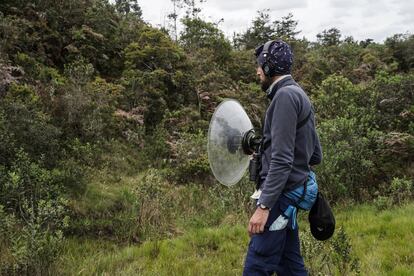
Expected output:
(283, 135)
(316, 157)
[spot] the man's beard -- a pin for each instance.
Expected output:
(266, 84)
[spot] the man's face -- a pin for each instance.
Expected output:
(265, 82)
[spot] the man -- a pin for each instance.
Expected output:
(289, 148)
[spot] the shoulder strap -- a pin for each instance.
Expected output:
(304, 121)
(302, 197)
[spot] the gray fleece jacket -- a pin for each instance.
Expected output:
(286, 162)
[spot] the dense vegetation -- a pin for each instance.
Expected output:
(103, 120)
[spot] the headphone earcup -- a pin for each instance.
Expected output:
(271, 64)
(266, 69)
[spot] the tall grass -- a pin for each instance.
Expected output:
(380, 242)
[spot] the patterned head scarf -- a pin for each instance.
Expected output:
(280, 58)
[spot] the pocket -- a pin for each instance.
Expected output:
(269, 242)
(284, 204)
(279, 208)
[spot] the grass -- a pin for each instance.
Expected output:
(106, 208)
(381, 240)
(384, 241)
(200, 252)
(147, 225)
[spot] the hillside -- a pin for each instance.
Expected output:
(103, 124)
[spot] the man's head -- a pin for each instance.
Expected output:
(274, 58)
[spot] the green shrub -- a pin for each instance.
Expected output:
(32, 246)
(77, 160)
(402, 189)
(84, 108)
(30, 66)
(27, 126)
(364, 133)
(156, 150)
(155, 203)
(191, 161)
(33, 215)
(336, 98)
(332, 257)
(343, 257)
(348, 169)
(382, 203)
(393, 100)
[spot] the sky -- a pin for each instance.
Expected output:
(362, 19)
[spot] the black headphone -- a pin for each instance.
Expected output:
(268, 65)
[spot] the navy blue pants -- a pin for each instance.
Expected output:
(275, 251)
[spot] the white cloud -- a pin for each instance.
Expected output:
(377, 19)
(285, 5)
(230, 5)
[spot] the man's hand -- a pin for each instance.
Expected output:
(258, 221)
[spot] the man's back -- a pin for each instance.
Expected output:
(290, 150)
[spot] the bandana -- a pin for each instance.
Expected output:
(280, 55)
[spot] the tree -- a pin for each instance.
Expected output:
(128, 6)
(261, 31)
(192, 7)
(198, 33)
(201, 35)
(286, 28)
(155, 77)
(329, 37)
(174, 16)
(402, 48)
(192, 11)
(366, 42)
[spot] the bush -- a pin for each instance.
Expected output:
(402, 190)
(365, 142)
(349, 168)
(84, 108)
(156, 151)
(165, 209)
(32, 215)
(26, 126)
(332, 257)
(155, 204)
(191, 161)
(336, 98)
(343, 257)
(77, 159)
(32, 247)
(383, 203)
(393, 101)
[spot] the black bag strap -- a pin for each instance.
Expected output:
(302, 197)
(304, 121)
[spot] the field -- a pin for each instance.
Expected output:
(368, 240)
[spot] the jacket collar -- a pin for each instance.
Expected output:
(284, 81)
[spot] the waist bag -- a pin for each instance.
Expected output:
(307, 197)
(304, 198)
